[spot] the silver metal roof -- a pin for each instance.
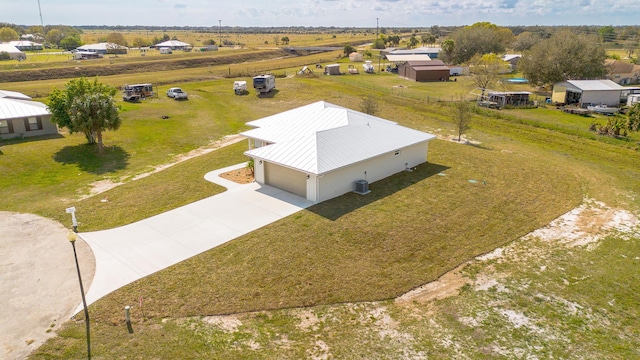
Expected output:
(322, 137)
(13, 95)
(12, 109)
(403, 58)
(595, 85)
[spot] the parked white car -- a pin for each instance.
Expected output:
(177, 93)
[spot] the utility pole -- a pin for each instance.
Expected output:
(220, 32)
(41, 22)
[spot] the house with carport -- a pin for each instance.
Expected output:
(20, 116)
(321, 150)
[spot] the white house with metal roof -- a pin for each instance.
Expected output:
(13, 52)
(587, 92)
(320, 151)
(21, 117)
(173, 45)
(104, 48)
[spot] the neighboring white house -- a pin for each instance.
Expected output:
(23, 45)
(14, 52)
(104, 48)
(21, 117)
(586, 92)
(320, 151)
(174, 45)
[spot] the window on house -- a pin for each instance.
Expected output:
(6, 127)
(33, 123)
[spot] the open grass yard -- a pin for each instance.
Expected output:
(351, 250)
(543, 296)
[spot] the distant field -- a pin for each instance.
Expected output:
(248, 40)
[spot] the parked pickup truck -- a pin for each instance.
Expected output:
(177, 94)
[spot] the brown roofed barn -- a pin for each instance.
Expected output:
(433, 70)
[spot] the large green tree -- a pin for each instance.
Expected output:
(8, 34)
(117, 38)
(564, 56)
(448, 46)
(479, 38)
(54, 36)
(486, 69)
(85, 106)
(607, 34)
(526, 40)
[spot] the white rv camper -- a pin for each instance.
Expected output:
(264, 83)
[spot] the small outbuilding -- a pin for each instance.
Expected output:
(511, 98)
(321, 151)
(512, 59)
(20, 116)
(586, 92)
(332, 69)
(432, 70)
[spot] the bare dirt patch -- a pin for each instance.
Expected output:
(240, 176)
(39, 287)
(585, 225)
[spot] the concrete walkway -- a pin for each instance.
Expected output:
(133, 251)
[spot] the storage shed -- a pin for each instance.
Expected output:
(432, 70)
(321, 151)
(586, 92)
(332, 69)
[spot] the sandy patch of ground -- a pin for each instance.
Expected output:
(39, 287)
(108, 184)
(585, 225)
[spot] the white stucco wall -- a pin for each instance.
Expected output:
(341, 181)
(19, 129)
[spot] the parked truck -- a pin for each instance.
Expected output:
(264, 83)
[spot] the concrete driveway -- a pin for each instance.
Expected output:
(131, 252)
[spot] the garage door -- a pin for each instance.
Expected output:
(286, 179)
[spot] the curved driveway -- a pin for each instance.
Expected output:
(133, 251)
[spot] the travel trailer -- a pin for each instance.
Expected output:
(264, 83)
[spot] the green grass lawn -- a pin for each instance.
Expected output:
(412, 228)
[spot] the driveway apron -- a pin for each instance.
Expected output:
(133, 251)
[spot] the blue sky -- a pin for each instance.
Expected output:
(339, 13)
